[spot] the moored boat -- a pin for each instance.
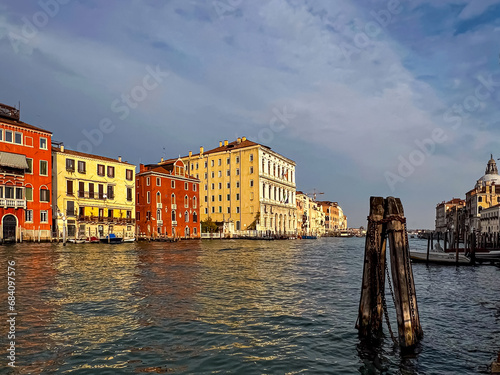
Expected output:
(111, 239)
(437, 257)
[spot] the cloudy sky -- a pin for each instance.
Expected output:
(368, 97)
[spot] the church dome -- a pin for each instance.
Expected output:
(491, 174)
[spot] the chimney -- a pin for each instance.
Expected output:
(243, 139)
(238, 140)
(161, 160)
(190, 153)
(62, 148)
(119, 158)
(220, 143)
(225, 143)
(141, 168)
(201, 151)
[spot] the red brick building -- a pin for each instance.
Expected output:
(25, 178)
(168, 201)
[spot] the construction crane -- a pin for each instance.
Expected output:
(313, 194)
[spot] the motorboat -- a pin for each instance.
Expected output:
(438, 257)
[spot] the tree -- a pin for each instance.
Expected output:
(208, 226)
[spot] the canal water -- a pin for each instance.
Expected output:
(233, 307)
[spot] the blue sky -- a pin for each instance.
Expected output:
(369, 97)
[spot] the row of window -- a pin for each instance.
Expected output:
(11, 192)
(219, 162)
(173, 216)
(277, 170)
(228, 173)
(101, 169)
(172, 183)
(228, 185)
(228, 210)
(228, 197)
(70, 211)
(172, 199)
(44, 216)
(17, 138)
(92, 194)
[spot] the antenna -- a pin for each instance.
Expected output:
(314, 193)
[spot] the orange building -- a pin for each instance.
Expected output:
(168, 201)
(25, 178)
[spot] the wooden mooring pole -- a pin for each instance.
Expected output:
(370, 304)
(387, 217)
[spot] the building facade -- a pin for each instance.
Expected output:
(25, 178)
(245, 186)
(490, 222)
(443, 211)
(311, 217)
(92, 195)
(168, 201)
(484, 195)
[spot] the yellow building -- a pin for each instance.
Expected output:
(245, 186)
(92, 195)
(484, 195)
(310, 216)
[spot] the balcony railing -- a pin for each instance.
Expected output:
(174, 206)
(16, 203)
(102, 219)
(94, 195)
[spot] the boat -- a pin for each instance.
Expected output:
(92, 240)
(132, 239)
(491, 256)
(438, 257)
(76, 240)
(309, 237)
(346, 233)
(111, 239)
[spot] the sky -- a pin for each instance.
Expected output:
(369, 98)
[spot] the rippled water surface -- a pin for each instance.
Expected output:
(239, 307)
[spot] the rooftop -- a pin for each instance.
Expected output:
(64, 150)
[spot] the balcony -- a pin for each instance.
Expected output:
(174, 206)
(159, 223)
(16, 203)
(102, 219)
(159, 205)
(174, 223)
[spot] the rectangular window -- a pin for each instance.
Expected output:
(212, 163)
(29, 161)
(213, 198)
(19, 193)
(81, 189)
(220, 209)
(111, 172)
(237, 210)
(1, 135)
(100, 191)
(220, 162)
(213, 210)
(18, 138)
(196, 166)
(237, 196)
(237, 184)
(206, 175)
(220, 197)
(237, 159)
(251, 183)
(219, 173)
(69, 187)
(29, 193)
(158, 181)
(91, 190)
(220, 185)
(229, 210)
(129, 194)
(173, 184)
(148, 181)
(206, 187)
(129, 174)
(28, 141)
(228, 185)
(251, 170)
(9, 192)
(111, 192)
(194, 187)
(206, 210)
(213, 174)
(213, 186)
(251, 195)
(237, 172)
(110, 213)
(8, 136)
(43, 143)
(228, 173)
(148, 197)
(70, 208)
(100, 169)
(29, 216)
(206, 198)
(44, 195)
(228, 161)
(251, 157)
(186, 186)
(206, 164)
(229, 197)
(82, 167)
(70, 165)
(44, 217)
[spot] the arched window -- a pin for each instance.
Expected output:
(158, 214)
(195, 202)
(195, 217)
(186, 201)
(158, 197)
(172, 198)
(186, 217)
(174, 216)
(186, 232)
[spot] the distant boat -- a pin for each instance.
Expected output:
(491, 256)
(132, 239)
(309, 237)
(76, 240)
(111, 239)
(438, 257)
(346, 233)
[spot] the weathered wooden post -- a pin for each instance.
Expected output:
(445, 240)
(409, 328)
(370, 304)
